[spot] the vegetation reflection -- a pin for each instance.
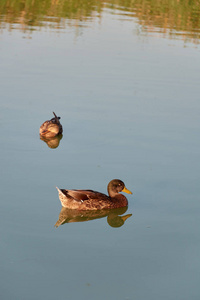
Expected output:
(114, 216)
(171, 17)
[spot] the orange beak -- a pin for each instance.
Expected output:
(125, 190)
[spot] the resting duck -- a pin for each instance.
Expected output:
(92, 200)
(51, 128)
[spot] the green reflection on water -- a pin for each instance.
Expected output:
(162, 16)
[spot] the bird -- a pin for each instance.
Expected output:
(51, 128)
(93, 200)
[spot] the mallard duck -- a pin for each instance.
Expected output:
(92, 200)
(51, 128)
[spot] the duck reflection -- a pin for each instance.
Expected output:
(114, 217)
(52, 142)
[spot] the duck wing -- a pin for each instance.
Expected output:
(83, 195)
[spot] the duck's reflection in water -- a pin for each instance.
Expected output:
(52, 142)
(114, 216)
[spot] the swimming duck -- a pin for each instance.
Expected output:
(92, 200)
(51, 128)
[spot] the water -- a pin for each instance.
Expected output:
(129, 106)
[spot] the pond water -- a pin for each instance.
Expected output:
(126, 86)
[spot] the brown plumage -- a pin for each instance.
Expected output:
(92, 200)
(51, 128)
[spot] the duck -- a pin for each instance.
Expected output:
(93, 200)
(51, 128)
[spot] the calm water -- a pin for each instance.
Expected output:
(129, 103)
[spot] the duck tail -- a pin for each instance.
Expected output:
(61, 196)
(57, 118)
(59, 191)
